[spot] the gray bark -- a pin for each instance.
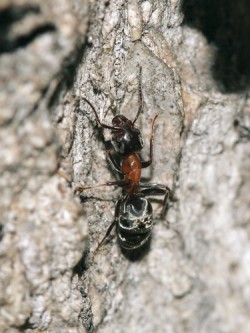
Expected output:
(194, 277)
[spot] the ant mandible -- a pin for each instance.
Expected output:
(133, 211)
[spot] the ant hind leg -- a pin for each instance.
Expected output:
(110, 228)
(158, 189)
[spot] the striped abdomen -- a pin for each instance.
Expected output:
(135, 222)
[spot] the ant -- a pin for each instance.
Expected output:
(133, 211)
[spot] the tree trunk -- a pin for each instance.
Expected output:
(194, 60)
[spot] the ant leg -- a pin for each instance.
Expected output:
(156, 186)
(110, 228)
(158, 189)
(140, 98)
(119, 183)
(113, 162)
(145, 164)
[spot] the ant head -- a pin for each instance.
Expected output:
(121, 121)
(126, 138)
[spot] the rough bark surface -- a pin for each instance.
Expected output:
(194, 276)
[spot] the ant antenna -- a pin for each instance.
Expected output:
(140, 98)
(96, 115)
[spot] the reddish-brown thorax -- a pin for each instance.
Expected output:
(131, 168)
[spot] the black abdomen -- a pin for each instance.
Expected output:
(135, 223)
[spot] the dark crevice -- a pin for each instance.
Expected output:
(226, 24)
(82, 264)
(9, 46)
(70, 65)
(1, 232)
(8, 18)
(67, 74)
(25, 326)
(12, 14)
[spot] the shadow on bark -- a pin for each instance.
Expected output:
(226, 24)
(82, 264)
(9, 42)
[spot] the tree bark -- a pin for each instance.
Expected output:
(194, 60)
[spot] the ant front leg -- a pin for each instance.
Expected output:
(158, 189)
(114, 163)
